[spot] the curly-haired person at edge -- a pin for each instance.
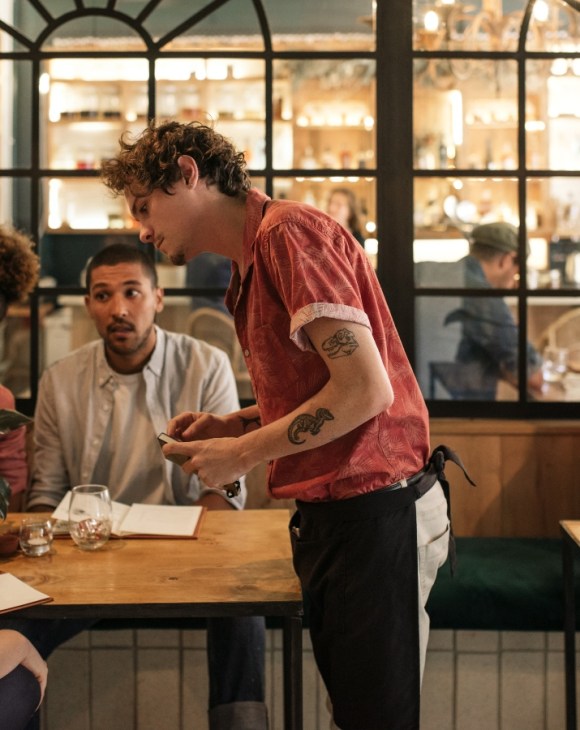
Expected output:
(23, 672)
(339, 417)
(19, 267)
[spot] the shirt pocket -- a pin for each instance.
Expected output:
(275, 367)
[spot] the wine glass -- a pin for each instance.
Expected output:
(554, 364)
(90, 516)
(574, 359)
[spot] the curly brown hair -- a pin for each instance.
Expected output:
(19, 267)
(150, 162)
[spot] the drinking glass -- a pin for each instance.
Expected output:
(90, 516)
(574, 359)
(35, 536)
(554, 364)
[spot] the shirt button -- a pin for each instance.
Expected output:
(95, 442)
(106, 407)
(246, 353)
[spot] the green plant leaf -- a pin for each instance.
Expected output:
(5, 493)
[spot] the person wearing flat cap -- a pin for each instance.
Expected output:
(488, 347)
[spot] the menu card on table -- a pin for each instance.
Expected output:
(15, 594)
(146, 520)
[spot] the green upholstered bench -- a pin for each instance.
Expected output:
(502, 584)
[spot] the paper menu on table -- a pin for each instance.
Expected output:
(15, 594)
(166, 519)
(146, 519)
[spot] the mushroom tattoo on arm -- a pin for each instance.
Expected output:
(341, 344)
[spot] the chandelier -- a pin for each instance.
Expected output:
(451, 25)
(448, 25)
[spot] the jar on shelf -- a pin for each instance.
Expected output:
(308, 161)
(111, 106)
(328, 159)
(190, 109)
(346, 158)
(90, 104)
(85, 160)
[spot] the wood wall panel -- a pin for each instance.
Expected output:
(530, 483)
(474, 510)
(521, 503)
(559, 476)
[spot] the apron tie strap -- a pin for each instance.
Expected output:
(436, 464)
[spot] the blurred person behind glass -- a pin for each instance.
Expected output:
(487, 351)
(343, 207)
(209, 270)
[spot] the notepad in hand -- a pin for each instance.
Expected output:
(15, 594)
(146, 520)
(11, 420)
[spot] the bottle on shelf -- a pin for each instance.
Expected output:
(489, 161)
(346, 159)
(277, 108)
(191, 105)
(308, 161)
(426, 152)
(329, 160)
(111, 106)
(443, 157)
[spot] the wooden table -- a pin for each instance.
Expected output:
(570, 530)
(239, 566)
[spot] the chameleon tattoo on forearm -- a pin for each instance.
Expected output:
(305, 423)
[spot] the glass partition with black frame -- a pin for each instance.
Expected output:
(435, 117)
(496, 139)
(292, 85)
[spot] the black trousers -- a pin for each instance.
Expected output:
(357, 562)
(19, 697)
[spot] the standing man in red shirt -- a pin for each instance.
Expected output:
(339, 417)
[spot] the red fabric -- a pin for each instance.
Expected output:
(300, 264)
(13, 465)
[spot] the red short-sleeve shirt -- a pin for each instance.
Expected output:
(299, 265)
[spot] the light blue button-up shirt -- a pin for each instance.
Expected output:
(75, 402)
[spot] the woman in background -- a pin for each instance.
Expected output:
(19, 268)
(342, 206)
